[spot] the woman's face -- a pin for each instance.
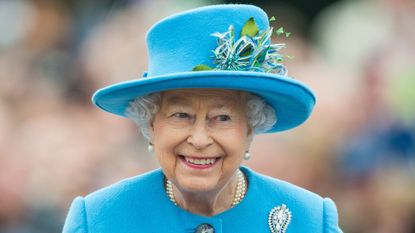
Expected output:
(200, 137)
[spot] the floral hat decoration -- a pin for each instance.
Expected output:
(218, 46)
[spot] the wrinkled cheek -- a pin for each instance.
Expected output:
(166, 162)
(233, 159)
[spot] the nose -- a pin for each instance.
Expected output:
(199, 136)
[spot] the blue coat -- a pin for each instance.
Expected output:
(140, 204)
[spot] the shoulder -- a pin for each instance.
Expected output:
(124, 198)
(309, 210)
(111, 208)
(279, 188)
(137, 187)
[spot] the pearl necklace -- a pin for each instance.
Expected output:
(239, 193)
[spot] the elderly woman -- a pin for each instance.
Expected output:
(214, 81)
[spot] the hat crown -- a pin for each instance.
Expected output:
(182, 41)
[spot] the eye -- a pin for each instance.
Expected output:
(181, 115)
(222, 118)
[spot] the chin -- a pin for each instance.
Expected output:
(198, 185)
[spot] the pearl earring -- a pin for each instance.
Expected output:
(247, 155)
(150, 147)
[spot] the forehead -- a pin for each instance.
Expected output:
(210, 96)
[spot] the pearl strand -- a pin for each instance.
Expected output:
(169, 191)
(240, 189)
(239, 192)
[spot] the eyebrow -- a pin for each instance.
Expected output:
(224, 106)
(175, 99)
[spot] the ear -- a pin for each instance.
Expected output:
(250, 136)
(151, 130)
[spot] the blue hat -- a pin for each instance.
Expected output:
(219, 46)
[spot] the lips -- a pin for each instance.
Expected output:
(199, 162)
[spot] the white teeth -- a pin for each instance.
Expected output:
(200, 161)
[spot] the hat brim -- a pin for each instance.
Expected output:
(292, 100)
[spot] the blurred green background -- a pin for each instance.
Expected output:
(358, 147)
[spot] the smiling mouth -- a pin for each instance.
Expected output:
(200, 163)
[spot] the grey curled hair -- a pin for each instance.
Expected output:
(261, 117)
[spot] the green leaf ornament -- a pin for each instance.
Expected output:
(201, 67)
(279, 31)
(250, 28)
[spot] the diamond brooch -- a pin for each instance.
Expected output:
(279, 218)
